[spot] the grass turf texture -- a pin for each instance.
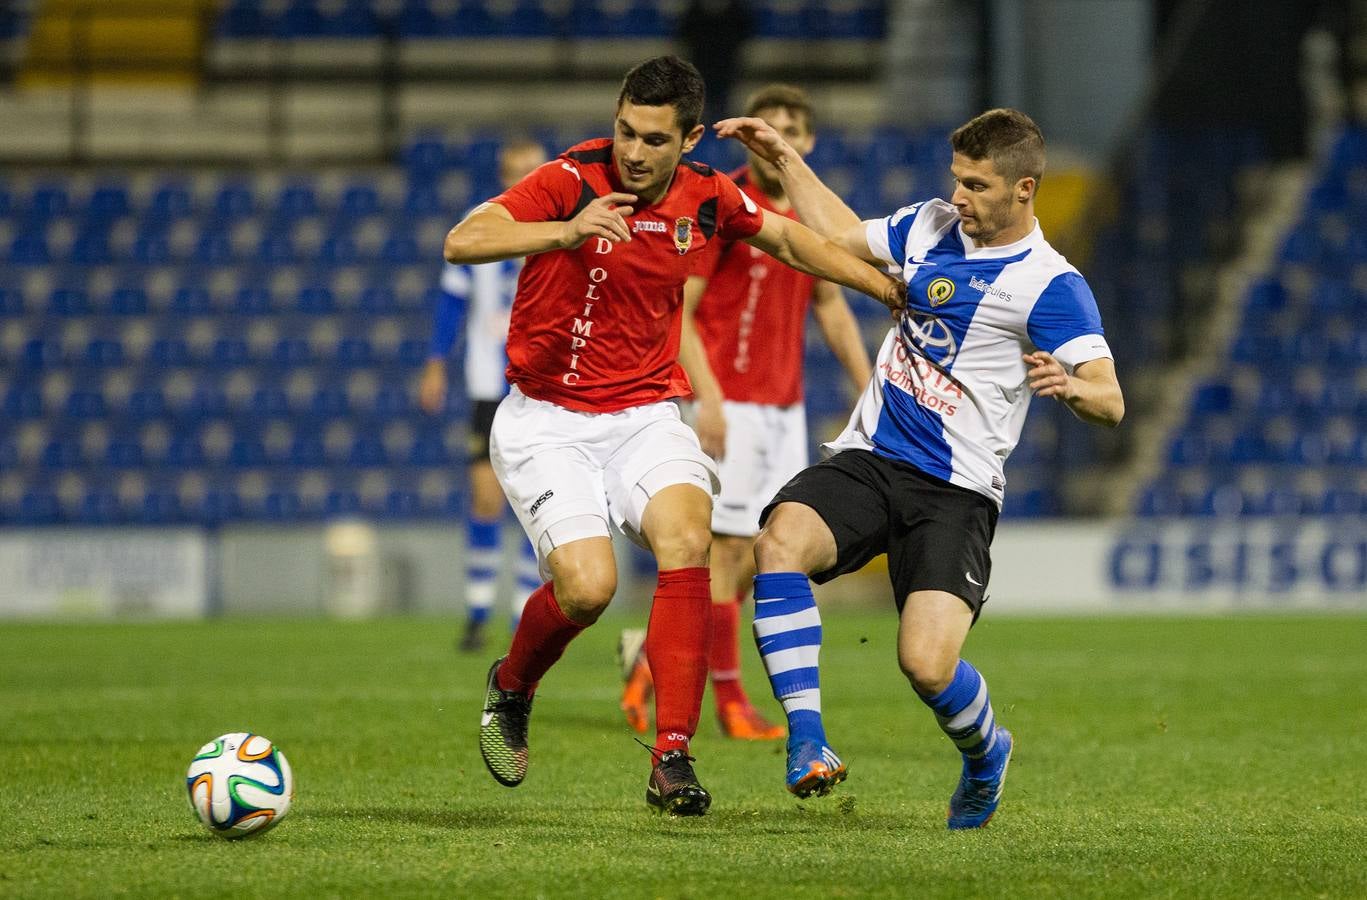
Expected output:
(1182, 758)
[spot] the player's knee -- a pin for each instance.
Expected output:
(583, 595)
(928, 673)
(778, 549)
(683, 547)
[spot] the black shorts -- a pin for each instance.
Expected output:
(481, 423)
(936, 534)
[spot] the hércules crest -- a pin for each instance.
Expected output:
(683, 234)
(939, 291)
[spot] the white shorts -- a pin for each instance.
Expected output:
(567, 474)
(765, 447)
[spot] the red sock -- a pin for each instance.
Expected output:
(541, 637)
(725, 660)
(676, 643)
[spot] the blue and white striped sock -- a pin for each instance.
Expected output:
(788, 633)
(964, 712)
(528, 580)
(483, 554)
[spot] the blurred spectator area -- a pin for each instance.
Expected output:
(311, 80)
(1281, 430)
(217, 346)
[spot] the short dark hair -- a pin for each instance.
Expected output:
(666, 81)
(1007, 137)
(782, 96)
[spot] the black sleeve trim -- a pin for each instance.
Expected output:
(707, 217)
(701, 168)
(586, 196)
(603, 155)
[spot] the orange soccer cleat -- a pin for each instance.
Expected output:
(640, 686)
(743, 722)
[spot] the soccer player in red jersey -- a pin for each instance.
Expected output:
(749, 312)
(587, 433)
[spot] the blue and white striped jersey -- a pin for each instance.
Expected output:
(487, 291)
(949, 392)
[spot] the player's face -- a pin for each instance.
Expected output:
(647, 145)
(990, 209)
(518, 163)
(793, 128)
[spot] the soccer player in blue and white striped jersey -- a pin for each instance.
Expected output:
(994, 315)
(482, 295)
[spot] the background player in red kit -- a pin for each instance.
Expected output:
(749, 314)
(586, 434)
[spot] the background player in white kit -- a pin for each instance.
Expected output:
(744, 330)
(482, 295)
(993, 314)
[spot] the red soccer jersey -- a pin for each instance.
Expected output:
(596, 328)
(752, 317)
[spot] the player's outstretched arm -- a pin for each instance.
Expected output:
(710, 421)
(798, 246)
(1092, 392)
(490, 232)
(841, 330)
(817, 205)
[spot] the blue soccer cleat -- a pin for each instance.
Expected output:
(813, 769)
(976, 799)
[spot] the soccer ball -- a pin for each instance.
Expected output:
(240, 784)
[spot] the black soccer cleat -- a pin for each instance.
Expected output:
(472, 640)
(503, 731)
(673, 787)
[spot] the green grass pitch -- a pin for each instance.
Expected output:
(1156, 757)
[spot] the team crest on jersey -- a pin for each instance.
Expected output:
(683, 234)
(939, 291)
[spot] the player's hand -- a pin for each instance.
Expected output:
(1048, 377)
(711, 427)
(605, 217)
(758, 136)
(432, 387)
(894, 295)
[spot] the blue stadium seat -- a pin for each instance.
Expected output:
(48, 201)
(128, 301)
(292, 351)
(192, 301)
(338, 250)
(229, 352)
(315, 300)
(360, 200)
(269, 401)
(41, 353)
(108, 202)
(147, 402)
(29, 248)
(11, 302)
(85, 405)
(124, 452)
(244, 19)
(307, 451)
(103, 353)
(99, 506)
(23, 402)
(330, 402)
(234, 201)
(185, 451)
(38, 506)
(69, 302)
(367, 451)
(62, 452)
(170, 202)
(159, 506)
(295, 200)
(253, 301)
